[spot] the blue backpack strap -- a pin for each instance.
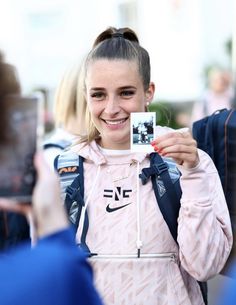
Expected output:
(165, 181)
(61, 144)
(167, 195)
(74, 197)
(75, 192)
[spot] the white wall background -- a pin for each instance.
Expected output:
(42, 37)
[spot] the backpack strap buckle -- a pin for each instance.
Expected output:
(161, 167)
(156, 169)
(74, 194)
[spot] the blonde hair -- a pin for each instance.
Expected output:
(88, 132)
(69, 97)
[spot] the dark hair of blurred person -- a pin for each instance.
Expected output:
(13, 227)
(9, 84)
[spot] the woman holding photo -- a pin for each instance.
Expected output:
(135, 258)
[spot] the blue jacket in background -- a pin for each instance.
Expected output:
(55, 272)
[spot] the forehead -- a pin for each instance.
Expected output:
(102, 72)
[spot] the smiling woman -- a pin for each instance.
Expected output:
(127, 71)
(116, 217)
(111, 103)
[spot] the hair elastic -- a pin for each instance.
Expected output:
(117, 35)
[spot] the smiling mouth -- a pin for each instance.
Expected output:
(115, 122)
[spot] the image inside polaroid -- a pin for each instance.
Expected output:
(142, 131)
(22, 136)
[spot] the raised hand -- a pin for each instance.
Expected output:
(178, 145)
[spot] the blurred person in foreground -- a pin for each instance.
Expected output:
(228, 292)
(54, 271)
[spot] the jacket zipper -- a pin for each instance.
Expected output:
(169, 255)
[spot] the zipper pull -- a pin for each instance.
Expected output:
(139, 246)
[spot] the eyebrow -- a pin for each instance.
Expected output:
(120, 88)
(96, 88)
(127, 87)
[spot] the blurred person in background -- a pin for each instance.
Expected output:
(218, 95)
(68, 119)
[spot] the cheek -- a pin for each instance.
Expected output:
(134, 105)
(141, 106)
(94, 109)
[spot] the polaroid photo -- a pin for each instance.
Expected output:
(142, 131)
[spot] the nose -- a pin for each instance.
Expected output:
(112, 106)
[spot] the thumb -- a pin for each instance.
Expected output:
(41, 166)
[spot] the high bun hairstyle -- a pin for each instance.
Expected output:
(115, 44)
(112, 32)
(121, 44)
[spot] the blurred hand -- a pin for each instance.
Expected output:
(46, 212)
(179, 146)
(10, 205)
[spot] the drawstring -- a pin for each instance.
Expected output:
(82, 218)
(138, 241)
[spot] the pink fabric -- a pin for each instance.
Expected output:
(204, 231)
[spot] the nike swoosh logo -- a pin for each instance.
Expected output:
(110, 210)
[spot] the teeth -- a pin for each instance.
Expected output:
(114, 122)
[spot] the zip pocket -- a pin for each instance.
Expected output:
(165, 256)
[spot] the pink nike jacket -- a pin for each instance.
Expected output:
(124, 217)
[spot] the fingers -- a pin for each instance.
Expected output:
(10, 205)
(173, 137)
(178, 145)
(174, 142)
(48, 211)
(41, 165)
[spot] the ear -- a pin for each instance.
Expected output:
(149, 93)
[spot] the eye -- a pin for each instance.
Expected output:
(98, 95)
(127, 93)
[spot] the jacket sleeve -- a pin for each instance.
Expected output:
(204, 227)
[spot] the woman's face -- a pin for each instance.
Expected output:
(114, 89)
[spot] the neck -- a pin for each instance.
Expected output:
(113, 146)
